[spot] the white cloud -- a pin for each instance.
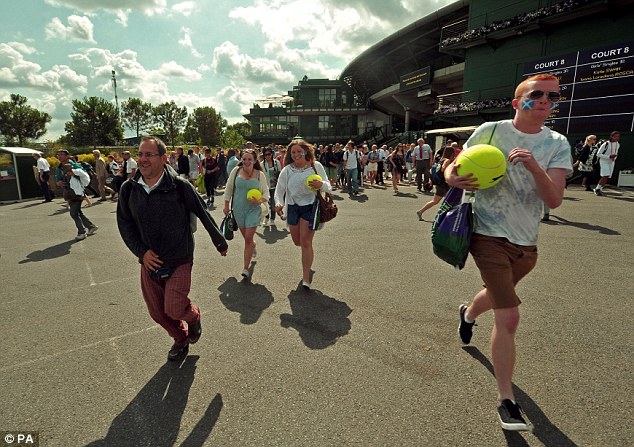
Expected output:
(79, 29)
(171, 69)
(22, 48)
(230, 62)
(186, 41)
(120, 8)
(184, 8)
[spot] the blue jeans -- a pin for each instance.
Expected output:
(81, 222)
(352, 180)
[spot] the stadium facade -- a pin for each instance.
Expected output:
(452, 70)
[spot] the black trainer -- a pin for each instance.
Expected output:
(178, 352)
(510, 415)
(465, 329)
(194, 330)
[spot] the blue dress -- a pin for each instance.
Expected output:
(247, 215)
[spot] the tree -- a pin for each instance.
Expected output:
(136, 115)
(20, 121)
(171, 118)
(243, 128)
(205, 126)
(94, 121)
(231, 138)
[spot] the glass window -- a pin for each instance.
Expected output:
(327, 97)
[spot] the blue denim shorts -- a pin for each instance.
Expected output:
(294, 212)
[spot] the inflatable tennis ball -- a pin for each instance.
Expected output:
(254, 194)
(487, 163)
(311, 178)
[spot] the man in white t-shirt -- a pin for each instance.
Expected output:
(44, 173)
(351, 165)
(506, 224)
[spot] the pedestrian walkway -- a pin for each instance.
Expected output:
(371, 357)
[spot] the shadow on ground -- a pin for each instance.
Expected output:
(319, 319)
(56, 251)
(543, 428)
(154, 416)
(245, 298)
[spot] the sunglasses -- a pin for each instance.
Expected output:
(538, 94)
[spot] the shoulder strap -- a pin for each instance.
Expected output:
(491, 137)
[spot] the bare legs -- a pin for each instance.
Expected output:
(502, 341)
(302, 237)
(249, 245)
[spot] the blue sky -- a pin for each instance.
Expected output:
(220, 53)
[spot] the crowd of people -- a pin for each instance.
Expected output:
(161, 192)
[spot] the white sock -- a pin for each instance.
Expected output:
(466, 319)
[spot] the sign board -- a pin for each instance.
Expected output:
(597, 89)
(415, 79)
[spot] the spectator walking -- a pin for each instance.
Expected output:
(442, 188)
(44, 174)
(422, 157)
(153, 217)
(507, 222)
(352, 164)
(299, 199)
(101, 172)
(607, 154)
(74, 194)
(247, 175)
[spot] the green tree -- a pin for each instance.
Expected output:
(136, 115)
(204, 126)
(171, 118)
(20, 121)
(94, 121)
(243, 128)
(232, 138)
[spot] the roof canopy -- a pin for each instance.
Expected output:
(20, 150)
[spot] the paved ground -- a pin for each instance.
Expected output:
(369, 358)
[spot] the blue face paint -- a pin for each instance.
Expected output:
(527, 104)
(554, 105)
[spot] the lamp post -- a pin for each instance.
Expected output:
(114, 83)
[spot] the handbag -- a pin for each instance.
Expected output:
(326, 206)
(452, 229)
(228, 226)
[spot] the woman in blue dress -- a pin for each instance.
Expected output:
(247, 175)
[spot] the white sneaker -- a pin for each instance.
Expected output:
(92, 230)
(80, 236)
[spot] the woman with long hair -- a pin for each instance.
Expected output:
(247, 175)
(442, 188)
(396, 162)
(299, 196)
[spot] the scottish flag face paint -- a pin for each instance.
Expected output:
(527, 104)
(553, 105)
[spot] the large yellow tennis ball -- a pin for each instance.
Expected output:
(487, 163)
(311, 178)
(254, 194)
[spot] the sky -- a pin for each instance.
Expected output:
(220, 53)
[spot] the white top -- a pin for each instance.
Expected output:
(423, 152)
(606, 163)
(131, 165)
(291, 185)
(43, 165)
(513, 208)
(351, 158)
(262, 178)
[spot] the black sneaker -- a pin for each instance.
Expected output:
(510, 415)
(178, 352)
(465, 329)
(194, 331)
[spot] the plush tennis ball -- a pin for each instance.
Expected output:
(487, 163)
(254, 194)
(311, 178)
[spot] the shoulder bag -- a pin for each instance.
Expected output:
(327, 208)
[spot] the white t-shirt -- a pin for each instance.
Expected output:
(513, 208)
(43, 165)
(291, 185)
(131, 165)
(351, 157)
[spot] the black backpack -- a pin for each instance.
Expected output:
(437, 176)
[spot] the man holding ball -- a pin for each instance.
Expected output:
(506, 222)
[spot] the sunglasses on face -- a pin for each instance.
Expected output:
(538, 94)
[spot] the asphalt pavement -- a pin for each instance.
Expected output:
(369, 357)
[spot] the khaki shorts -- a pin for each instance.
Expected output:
(502, 265)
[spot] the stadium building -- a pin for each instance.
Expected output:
(446, 73)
